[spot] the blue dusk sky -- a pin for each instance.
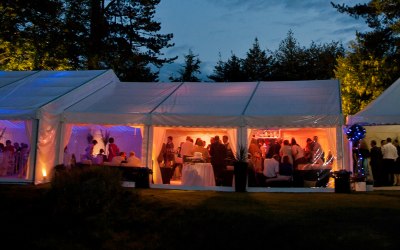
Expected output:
(213, 27)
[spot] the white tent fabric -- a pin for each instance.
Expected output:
(8, 77)
(280, 104)
(120, 103)
(43, 96)
(295, 104)
(384, 110)
(205, 104)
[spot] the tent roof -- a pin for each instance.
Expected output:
(9, 77)
(23, 93)
(382, 111)
(295, 104)
(120, 103)
(283, 104)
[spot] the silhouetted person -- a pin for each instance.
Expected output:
(218, 155)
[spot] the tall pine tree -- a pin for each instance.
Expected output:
(257, 65)
(190, 70)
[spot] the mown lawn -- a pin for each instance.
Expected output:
(171, 219)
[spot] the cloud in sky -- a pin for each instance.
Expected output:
(210, 27)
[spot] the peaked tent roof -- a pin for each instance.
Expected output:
(205, 104)
(384, 110)
(283, 104)
(120, 103)
(9, 77)
(23, 93)
(295, 104)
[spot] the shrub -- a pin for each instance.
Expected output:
(87, 191)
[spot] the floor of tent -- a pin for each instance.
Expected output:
(176, 185)
(249, 189)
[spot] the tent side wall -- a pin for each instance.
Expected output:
(49, 144)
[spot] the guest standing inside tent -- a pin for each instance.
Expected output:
(218, 155)
(113, 149)
(229, 153)
(376, 164)
(169, 154)
(389, 152)
(187, 148)
(298, 154)
(9, 157)
(396, 168)
(89, 150)
(255, 152)
(286, 150)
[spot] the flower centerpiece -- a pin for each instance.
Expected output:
(104, 137)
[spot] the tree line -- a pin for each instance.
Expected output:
(123, 35)
(289, 62)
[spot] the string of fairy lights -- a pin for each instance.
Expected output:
(354, 134)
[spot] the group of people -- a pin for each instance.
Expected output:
(114, 157)
(218, 153)
(261, 149)
(282, 153)
(273, 158)
(13, 159)
(384, 161)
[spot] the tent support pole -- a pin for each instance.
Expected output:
(33, 145)
(339, 145)
(149, 148)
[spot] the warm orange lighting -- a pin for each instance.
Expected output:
(44, 173)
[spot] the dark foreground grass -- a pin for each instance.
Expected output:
(170, 219)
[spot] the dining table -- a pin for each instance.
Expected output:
(198, 174)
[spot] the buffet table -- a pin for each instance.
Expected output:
(198, 174)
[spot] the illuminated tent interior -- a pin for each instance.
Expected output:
(31, 104)
(300, 109)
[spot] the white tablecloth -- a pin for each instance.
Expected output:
(198, 174)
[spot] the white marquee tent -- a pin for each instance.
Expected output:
(61, 104)
(33, 101)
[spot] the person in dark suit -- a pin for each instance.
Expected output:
(218, 155)
(376, 164)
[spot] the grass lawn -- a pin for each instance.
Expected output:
(172, 219)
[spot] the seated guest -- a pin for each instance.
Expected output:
(133, 160)
(285, 168)
(117, 160)
(271, 167)
(101, 157)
